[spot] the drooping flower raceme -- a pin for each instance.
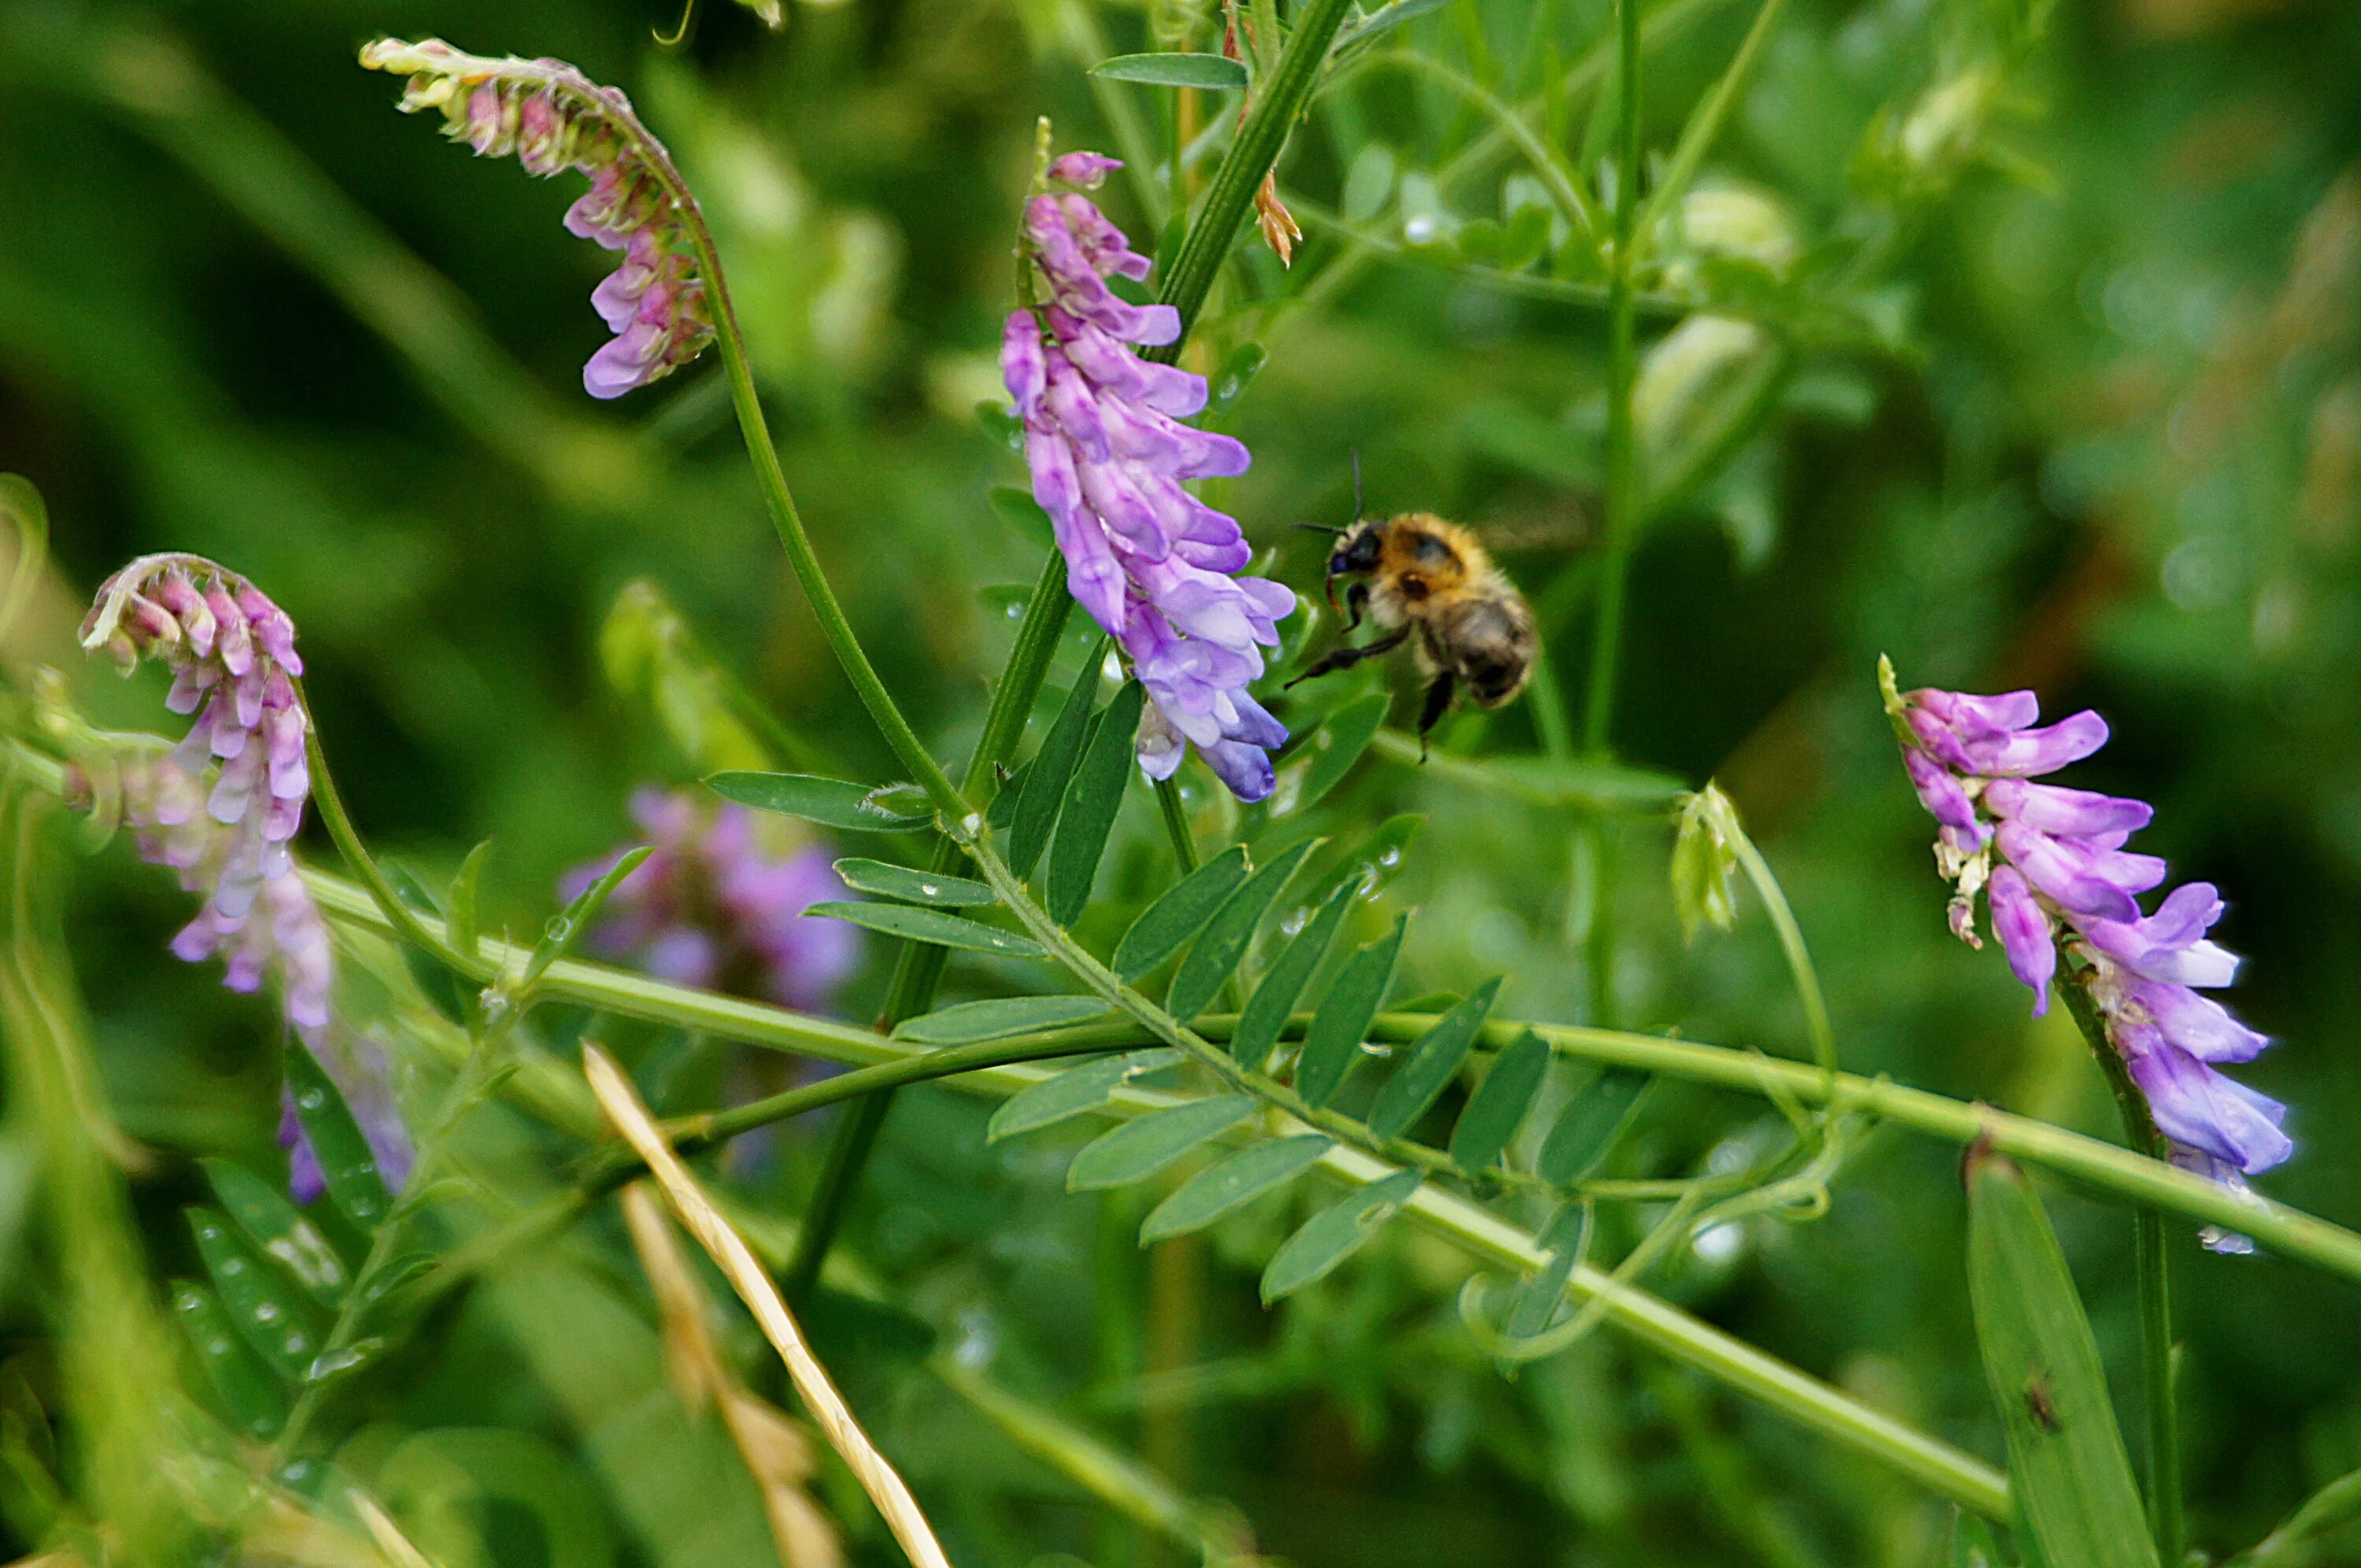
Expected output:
(2051, 864)
(553, 118)
(715, 907)
(1150, 562)
(232, 653)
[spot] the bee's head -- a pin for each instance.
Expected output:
(1356, 554)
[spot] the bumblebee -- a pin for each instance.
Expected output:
(1416, 575)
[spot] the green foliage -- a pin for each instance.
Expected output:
(355, 1185)
(1235, 1182)
(932, 927)
(1336, 1233)
(2025, 358)
(832, 803)
(1214, 957)
(2073, 1481)
(1344, 1014)
(1101, 774)
(1500, 1105)
(1432, 1065)
(1075, 1091)
(913, 886)
(1138, 1149)
(1181, 913)
(997, 1018)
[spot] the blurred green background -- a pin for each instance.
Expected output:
(2085, 415)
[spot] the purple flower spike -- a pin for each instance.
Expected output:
(2052, 866)
(718, 906)
(1150, 562)
(553, 118)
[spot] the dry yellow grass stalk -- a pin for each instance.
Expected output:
(754, 1287)
(775, 1448)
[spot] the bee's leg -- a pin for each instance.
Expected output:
(1344, 658)
(1438, 701)
(1357, 602)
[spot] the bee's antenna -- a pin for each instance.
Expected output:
(1319, 528)
(1358, 506)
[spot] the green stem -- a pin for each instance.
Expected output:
(1169, 806)
(771, 478)
(1804, 1398)
(1624, 493)
(918, 970)
(1706, 123)
(396, 910)
(1563, 190)
(1790, 942)
(1277, 107)
(2107, 1169)
(2164, 1483)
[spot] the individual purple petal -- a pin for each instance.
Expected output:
(2077, 812)
(1159, 746)
(1939, 792)
(1102, 244)
(2035, 752)
(2088, 881)
(2194, 1105)
(1167, 388)
(1076, 410)
(1147, 437)
(1977, 718)
(2025, 934)
(1124, 511)
(1023, 369)
(2170, 945)
(1083, 169)
(2196, 1024)
(1246, 769)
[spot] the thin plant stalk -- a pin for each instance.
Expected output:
(2107, 1169)
(1790, 942)
(919, 970)
(1594, 851)
(2166, 1520)
(771, 478)
(1623, 491)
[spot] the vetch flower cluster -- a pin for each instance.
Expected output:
(2051, 864)
(553, 118)
(1150, 562)
(715, 907)
(231, 655)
